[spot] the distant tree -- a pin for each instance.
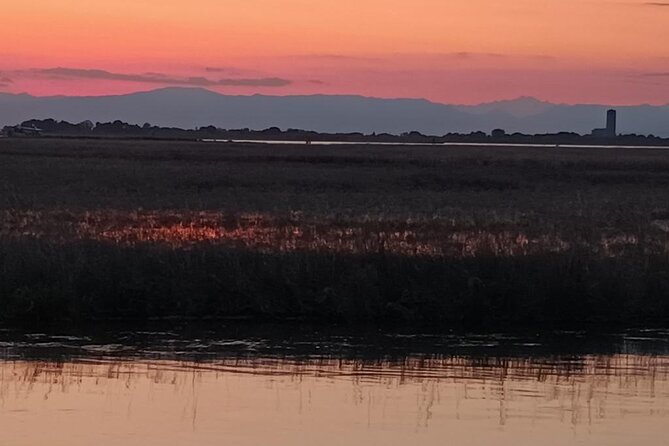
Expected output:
(86, 125)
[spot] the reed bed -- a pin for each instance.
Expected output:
(268, 234)
(93, 230)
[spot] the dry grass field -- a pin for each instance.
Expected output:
(103, 229)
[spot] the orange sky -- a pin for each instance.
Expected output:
(464, 51)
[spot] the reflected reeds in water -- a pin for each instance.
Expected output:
(162, 387)
(555, 387)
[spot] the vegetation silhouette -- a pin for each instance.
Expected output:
(120, 129)
(140, 230)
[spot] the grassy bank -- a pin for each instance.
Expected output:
(138, 230)
(44, 282)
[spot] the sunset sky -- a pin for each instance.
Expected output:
(459, 51)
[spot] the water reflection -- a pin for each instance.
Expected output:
(247, 398)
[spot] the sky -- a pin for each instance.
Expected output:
(452, 51)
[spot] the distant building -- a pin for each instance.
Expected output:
(611, 122)
(22, 130)
(611, 129)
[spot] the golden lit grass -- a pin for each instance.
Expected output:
(271, 234)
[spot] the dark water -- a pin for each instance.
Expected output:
(451, 144)
(251, 386)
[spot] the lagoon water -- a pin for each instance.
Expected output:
(444, 144)
(303, 387)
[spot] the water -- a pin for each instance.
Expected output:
(302, 387)
(444, 144)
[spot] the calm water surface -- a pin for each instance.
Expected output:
(302, 387)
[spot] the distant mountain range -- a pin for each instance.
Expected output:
(194, 107)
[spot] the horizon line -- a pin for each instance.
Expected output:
(397, 98)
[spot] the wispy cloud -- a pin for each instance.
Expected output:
(380, 60)
(655, 74)
(5, 81)
(228, 70)
(469, 55)
(64, 73)
(337, 58)
(658, 4)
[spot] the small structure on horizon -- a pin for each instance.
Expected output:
(22, 130)
(611, 126)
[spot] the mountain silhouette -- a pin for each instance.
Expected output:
(520, 107)
(196, 107)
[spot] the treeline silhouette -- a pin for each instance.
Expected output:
(120, 129)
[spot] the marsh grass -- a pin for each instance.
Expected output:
(90, 280)
(93, 230)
